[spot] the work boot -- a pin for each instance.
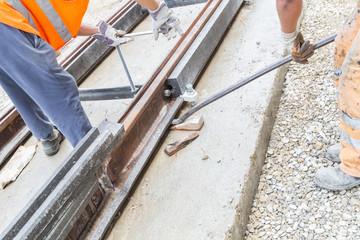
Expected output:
(332, 178)
(333, 153)
(51, 147)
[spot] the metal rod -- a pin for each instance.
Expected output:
(138, 34)
(126, 69)
(95, 94)
(246, 81)
(144, 33)
(180, 3)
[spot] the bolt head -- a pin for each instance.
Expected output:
(167, 93)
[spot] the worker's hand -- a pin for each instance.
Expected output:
(110, 35)
(165, 22)
(302, 50)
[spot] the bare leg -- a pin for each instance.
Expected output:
(289, 12)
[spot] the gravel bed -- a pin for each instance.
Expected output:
(288, 205)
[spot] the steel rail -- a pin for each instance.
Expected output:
(146, 111)
(149, 115)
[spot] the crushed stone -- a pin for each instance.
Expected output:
(288, 204)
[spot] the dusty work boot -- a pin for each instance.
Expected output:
(332, 178)
(51, 147)
(333, 153)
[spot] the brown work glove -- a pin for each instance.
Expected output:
(302, 50)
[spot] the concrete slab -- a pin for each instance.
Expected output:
(185, 197)
(143, 56)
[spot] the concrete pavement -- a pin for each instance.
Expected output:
(185, 197)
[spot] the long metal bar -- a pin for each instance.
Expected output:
(180, 3)
(26, 213)
(245, 81)
(49, 208)
(121, 197)
(133, 90)
(138, 34)
(12, 131)
(95, 94)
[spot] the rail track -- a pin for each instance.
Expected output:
(145, 121)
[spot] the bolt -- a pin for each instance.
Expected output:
(167, 92)
(189, 88)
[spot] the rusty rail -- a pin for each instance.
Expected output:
(144, 114)
(148, 117)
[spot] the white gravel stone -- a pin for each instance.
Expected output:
(312, 227)
(307, 124)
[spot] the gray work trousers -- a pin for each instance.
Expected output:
(42, 91)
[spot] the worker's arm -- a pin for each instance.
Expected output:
(163, 20)
(151, 5)
(105, 33)
(87, 30)
(289, 12)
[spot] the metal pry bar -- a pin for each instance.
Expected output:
(135, 34)
(246, 81)
(138, 34)
(133, 89)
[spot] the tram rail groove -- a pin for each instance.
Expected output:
(148, 117)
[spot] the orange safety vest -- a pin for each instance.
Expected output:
(56, 21)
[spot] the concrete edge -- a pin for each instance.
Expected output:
(243, 208)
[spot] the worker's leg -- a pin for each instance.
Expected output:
(344, 40)
(349, 105)
(289, 12)
(31, 63)
(348, 175)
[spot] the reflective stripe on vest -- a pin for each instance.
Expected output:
(355, 143)
(351, 122)
(23, 10)
(50, 13)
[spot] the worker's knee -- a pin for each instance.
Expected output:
(285, 4)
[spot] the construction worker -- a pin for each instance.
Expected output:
(347, 78)
(44, 94)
